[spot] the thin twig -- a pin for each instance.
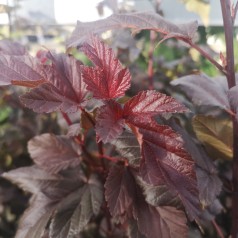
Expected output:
(67, 119)
(208, 57)
(228, 28)
(218, 229)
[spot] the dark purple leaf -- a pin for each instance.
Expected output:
(30, 179)
(109, 121)
(137, 21)
(35, 219)
(119, 191)
(209, 184)
(128, 147)
(166, 162)
(133, 231)
(23, 70)
(64, 73)
(204, 91)
(47, 98)
(8, 47)
(155, 222)
(54, 153)
(75, 211)
(159, 195)
(107, 79)
(233, 99)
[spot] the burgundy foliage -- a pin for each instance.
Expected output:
(150, 180)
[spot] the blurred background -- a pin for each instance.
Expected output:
(40, 24)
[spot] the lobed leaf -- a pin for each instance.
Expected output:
(54, 153)
(215, 134)
(70, 198)
(23, 70)
(128, 147)
(12, 48)
(47, 98)
(119, 191)
(164, 221)
(107, 79)
(204, 91)
(147, 104)
(233, 99)
(35, 219)
(75, 211)
(165, 161)
(65, 74)
(137, 21)
(31, 179)
(109, 121)
(209, 184)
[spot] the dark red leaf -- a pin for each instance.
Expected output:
(165, 161)
(47, 98)
(8, 47)
(137, 21)
(147, 104)
(65, 74)
(204, 91)
(107, 79)
(109, 121)
(54, 153)
(21, 70)
(209, 184)
(128, 147)
(233, 99)
(75, 211)
(119, 191)
(161, 222)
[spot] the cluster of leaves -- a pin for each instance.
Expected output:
(149, 177)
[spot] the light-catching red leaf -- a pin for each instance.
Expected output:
(109, 122)
(147, 104)
(107, 80)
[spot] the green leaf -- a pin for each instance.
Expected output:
(215, 134)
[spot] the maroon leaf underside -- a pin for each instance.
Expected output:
(65, 89)
(47, 98)
(23, 70)
(107, 80)
(54, 153)
(109, 122)
(204, 91)
(8, 47)
(165, 161)
(137, 21)
(65, 74)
